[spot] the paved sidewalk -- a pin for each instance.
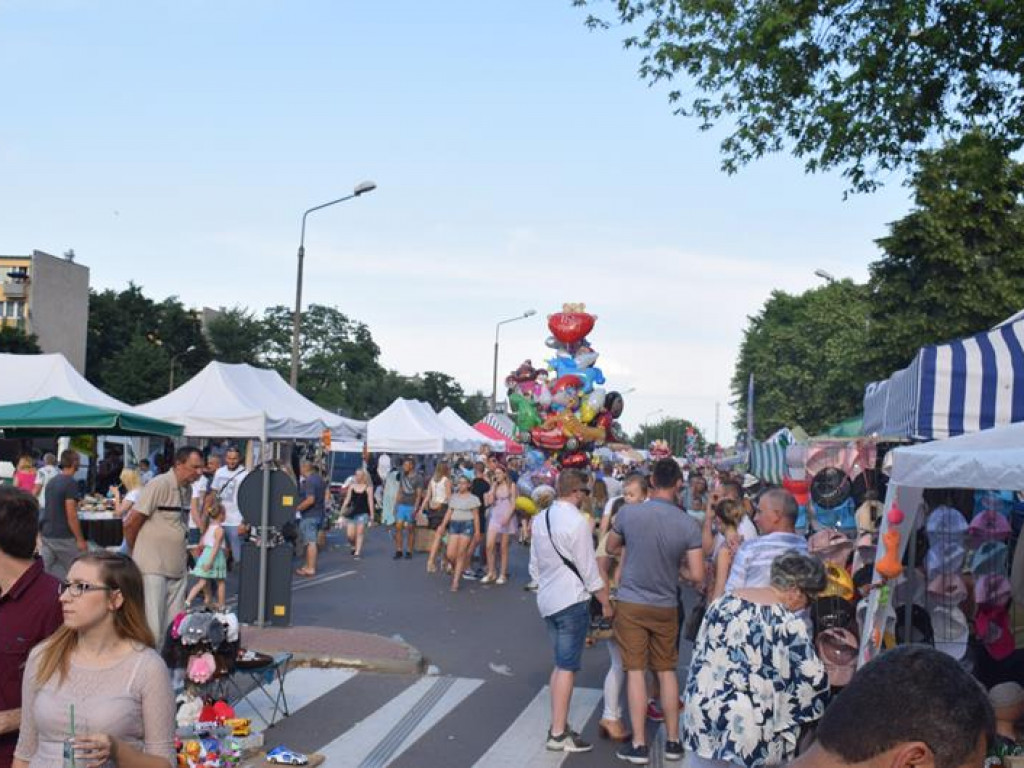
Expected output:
(325, 647)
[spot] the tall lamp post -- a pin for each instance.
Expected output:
(174, 359)
(494, 381)
(360, 189)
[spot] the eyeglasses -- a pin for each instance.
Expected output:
(79, 588)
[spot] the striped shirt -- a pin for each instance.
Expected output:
(752, 566)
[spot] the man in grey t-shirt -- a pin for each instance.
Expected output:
(60, 530)
(663, 542)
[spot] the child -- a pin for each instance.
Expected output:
(728, 515)
(211, 566)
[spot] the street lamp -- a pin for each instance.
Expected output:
(828, 277)
(647, 419)
(174, 359)
(360, 189)
(628, 391)
(494, 381)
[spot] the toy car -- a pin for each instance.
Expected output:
(284, 756)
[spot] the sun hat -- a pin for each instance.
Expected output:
(867, 516)
(838, 583)
(948, 588)
(830, 547)
(992, 590)
(990, 557)
(945, 524)
(833, 612)
(838, 649)
(989, 526)
(951, 630)
(921, 629)
(1005, 695)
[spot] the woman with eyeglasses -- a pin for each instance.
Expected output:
(755, 679)
(100, 673)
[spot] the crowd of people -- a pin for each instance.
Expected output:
(611, 556)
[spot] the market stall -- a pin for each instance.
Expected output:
(31, 378)
(463, 431)
(405, 427)
(971, 560)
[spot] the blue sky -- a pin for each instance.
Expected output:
(520, 164)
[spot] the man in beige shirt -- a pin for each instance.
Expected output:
(157, 538)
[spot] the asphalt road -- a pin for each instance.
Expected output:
(485, 706)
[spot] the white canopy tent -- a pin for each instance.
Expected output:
(463, 431)
(990, 459)
(24, 378)
(237, 400)
(411, 427)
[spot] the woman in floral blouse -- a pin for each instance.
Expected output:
(755, 678)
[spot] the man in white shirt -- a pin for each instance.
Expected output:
(226, 481)
(562, 563)
(777, 511)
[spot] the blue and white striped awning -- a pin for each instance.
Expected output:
(952, 389)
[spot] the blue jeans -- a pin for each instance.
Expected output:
(461, 527)
(567, 630)
(234, 542)
(309, 527)
(404, 514)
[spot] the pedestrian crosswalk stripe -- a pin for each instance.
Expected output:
(523, 743)
(302, 686)
(383, 736)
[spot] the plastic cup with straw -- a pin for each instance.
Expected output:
(69, 742)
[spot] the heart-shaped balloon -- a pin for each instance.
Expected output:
(571, 327)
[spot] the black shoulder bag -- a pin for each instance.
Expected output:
(596, 612)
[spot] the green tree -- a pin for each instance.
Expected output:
(115, 318)
(675, 432)
(808, 354)
(236, 335)
(954, 265)
(857, 86)
(15, 340)
(474, 407)
(138, 373)
(441, 390)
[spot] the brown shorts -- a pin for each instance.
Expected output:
(647, 636)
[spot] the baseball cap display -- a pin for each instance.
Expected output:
(989, 526)
(945, 558)
(945, 525)
(948, 588)
(992, 590)
(990, 557)
(921, 630)
(832, 613)
(838, 649)
(909, 588)
(830, 487)
(839, 583)
(951, 630)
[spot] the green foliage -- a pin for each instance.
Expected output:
(857, 86)
(808, 354)
(672, 430)
(236, 335)
(120, 321)
(138, 373)
(954, 266)
(16, 341)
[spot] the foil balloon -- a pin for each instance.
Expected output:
(525, 411)
(614, 404)
(527, 505)
(572, 324)
(575, 460)
(585, 357)
(534, 458)
(552, 439)
(587, 411)
(525, 484)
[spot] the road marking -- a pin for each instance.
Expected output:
(523, 742)
(302, 687)
(318, 580)
(383, 736)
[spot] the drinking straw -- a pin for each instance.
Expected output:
(71, 708)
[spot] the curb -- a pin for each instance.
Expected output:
(412, 665)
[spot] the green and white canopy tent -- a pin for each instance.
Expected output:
(57, 416)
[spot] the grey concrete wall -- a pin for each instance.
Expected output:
(59, 306)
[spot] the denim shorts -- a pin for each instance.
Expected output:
(362, 519)
(309, 527)
(404, 513)
(567, 630)
(461, 527)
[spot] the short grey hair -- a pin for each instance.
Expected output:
(787, 503)
(791, 570)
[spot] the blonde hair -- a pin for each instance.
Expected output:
(441, 470)
(729, 512)
(131, 479)
(120, 574)
(25, 464)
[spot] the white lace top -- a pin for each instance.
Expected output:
(131, 700)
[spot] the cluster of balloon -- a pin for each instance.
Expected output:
(659, 449)
(561, 411)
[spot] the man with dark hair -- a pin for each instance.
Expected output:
(157, 533)
(663, 542)
(911, 706)
(410, 493)
(775, 519)
(62, 538)
(562, 563)
(29, 607)
(312, 508)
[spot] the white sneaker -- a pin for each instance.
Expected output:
(500, 581)
(488, 579)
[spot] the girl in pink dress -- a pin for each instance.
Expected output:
(501, 522)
